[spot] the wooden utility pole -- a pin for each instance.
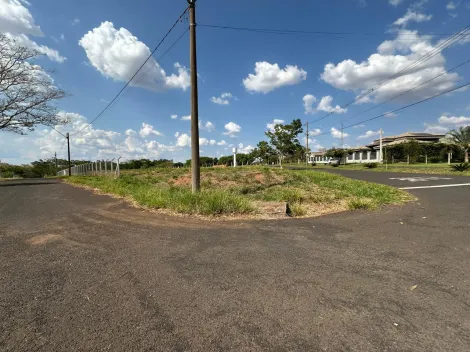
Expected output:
(306, 150)
(68, 147)
(195, 167)
(56, 168)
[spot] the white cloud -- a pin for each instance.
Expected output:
(313, 144)
(446, 123)
(15, 18)
(186, 118)
(174, 117)
(208, 126)
(395, 2)
(224, 99)
(314, 132)
(369, 134)
(412, 16)
(75, 21)
(212, 142)
(337, 133)
(325, 104)
(117, 54)
(390, 114)
(89, 144)
(268, 77)
(232, 129)
(23, 40)
(452, 5)
(436, 129)
(270, 125)
(454, 120)
(148, 130)
(183, 140)
(242, 149)
(308, 100)
(222, 142)
(392, 57)
(17, 23)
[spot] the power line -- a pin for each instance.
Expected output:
(289, 31)
(410, 90)
(435, 51)
(158, 59)
(135, 74)
(403, 108)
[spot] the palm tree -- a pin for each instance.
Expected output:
(461, 137)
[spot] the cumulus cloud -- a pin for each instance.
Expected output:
(16, 22)
(395, 2)
(314, 132)
(392, 57)
(222, 142)
(242, 149)
(224, 99)
(270, 125)
(412, 16)
(183, 140)
(454, 120)
(268, 77)
(309, 100)
(337, 133)
(452, 5)
(89, 144)
(186, 118)
(369, 134)
(446, 123)
(174, 117)
(232, 129)
(148, 130)
(325, 104)
(117, 54)
(207, 126)
(15, 18)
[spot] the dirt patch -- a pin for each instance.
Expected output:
(184, 180)
(259, 177)
(43, 239)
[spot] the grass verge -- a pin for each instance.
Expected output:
(432, 169)
(243, 191)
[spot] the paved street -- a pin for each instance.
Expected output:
(84, 272)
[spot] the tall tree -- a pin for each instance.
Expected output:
(263, 151)
(26, 90)
(284, 138)
(461, 137)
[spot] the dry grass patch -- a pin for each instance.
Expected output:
(247, 191)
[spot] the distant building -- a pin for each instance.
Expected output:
(370, 152)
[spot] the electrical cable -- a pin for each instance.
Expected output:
(135, 74)
(402, 108)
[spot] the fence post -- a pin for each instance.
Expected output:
(112, 160)
(118, 168)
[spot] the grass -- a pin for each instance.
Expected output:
(244, 191)
(433, 169)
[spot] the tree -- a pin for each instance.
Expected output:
(413, 150)
(461, 137)
(284, 138)
(263, 151)
(26, 90)
(338, 153)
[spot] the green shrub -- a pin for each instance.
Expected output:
(371, 165)
(434, 159)
(461, 167)
(296, 209)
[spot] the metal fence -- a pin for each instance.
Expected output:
(99, 167)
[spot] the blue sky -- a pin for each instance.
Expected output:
(265, 77)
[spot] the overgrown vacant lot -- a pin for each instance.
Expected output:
(245, 191)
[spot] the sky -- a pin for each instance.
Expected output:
(248, 80)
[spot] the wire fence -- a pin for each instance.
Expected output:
(97, 168)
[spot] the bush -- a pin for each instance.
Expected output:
(434, 159)
(461, 167)
(335, 164)
(314, 164)
(371, 165)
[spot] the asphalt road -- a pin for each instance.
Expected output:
(84, 272)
